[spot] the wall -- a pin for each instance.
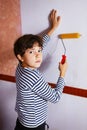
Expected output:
(10, 29)
(7, 105)
(74, 19)
(70, 113)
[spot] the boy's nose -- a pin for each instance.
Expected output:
(36, 54)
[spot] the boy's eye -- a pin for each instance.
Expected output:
(40, 50)
(31, 52)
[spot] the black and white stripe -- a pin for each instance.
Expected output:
(32, 96)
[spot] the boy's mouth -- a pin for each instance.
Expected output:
(38, 61)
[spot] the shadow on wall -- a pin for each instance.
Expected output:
(1, 118)
(46, 63)
(47, 58)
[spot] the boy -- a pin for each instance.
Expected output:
(33, 92)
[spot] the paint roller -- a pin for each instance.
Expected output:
(67, 36)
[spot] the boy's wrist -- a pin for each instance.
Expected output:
(62, 75)
(51, 31)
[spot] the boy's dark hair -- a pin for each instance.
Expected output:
(26, 41)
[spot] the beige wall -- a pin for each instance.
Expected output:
(10, 29)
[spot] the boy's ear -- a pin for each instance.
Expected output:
(20, 58)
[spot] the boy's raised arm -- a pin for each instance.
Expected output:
(54, 21)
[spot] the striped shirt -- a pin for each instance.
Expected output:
(33, 93)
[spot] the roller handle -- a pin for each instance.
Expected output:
(63, 59)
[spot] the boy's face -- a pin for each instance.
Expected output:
(32, 57)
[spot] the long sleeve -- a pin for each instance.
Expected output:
(32, 96)
(44, 90)
(45, 39)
